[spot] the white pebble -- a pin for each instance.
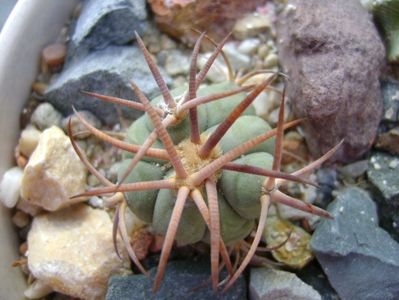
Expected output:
(10, 186)
(394, 163)
(28, 140)
(249, 46)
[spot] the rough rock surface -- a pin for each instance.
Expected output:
(54, 172)
(184, 280)
(383, 174)
(217, 18)
(333, 54)
(360, 259)
(109, 22)
(269, 284)
(390, 94)
(72, 251)
(108, 72)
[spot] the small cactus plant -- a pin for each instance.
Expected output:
(200, 165)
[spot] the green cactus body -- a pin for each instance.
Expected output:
(386, 14)
(238, 193)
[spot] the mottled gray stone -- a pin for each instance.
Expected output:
(360, 259)
(45, 116)
(108, 72)
(107, 22)
(333, 55)
(269, 284)
(184, 280)
(390, 94)
(383, 173)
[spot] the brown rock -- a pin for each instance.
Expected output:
(217, 18)
(333, 55)
(54, 55)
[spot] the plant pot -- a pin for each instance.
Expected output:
(31, 25)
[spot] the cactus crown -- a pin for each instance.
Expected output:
(208, 161)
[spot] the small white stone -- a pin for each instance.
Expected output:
(10, 186)
(54, 172)
(28, 140)
(72, 251)
(45, 116)
(217, 72)
(237, 59)
(393, 164)
(37, 290)
(249, 46)
(251, 25)
(377, 166)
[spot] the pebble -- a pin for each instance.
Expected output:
(251, 25)
(54, 55)
(249, 46)
(271, 60)
(384, 177)
(389, 141)
(10, 186)
(355, 169)
(360, 259)
(295, 252)
(72, 251)
(269, 284)
(115, 66)
(45, 116)
(177, 63)
(184, 280)
(54, 172)
(217, 73)
(28, 208)
(263, 50)
(28, 140)
(77, 126)
(20, 219)
(237, 59)
(109, 22)
(390, 95)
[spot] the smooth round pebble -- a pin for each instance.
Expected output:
(54, 55)
(10, 186)
(45, 116)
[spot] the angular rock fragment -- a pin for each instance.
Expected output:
(72, 252)
(269, 284)
(184, 280)
(383, 173)
(54, 172)
(360, 259)
(107, 72)
(109, 22)
(333, 54)
(390, 94)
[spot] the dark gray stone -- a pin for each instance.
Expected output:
(383, 173)
(108, 22)
(108, 72)
(269, 284)
(313, 275)
(184, 280)
(390, 94)
(333, 54)
(360, 259)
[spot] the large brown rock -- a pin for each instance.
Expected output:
(333, 55)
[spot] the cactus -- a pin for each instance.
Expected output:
(386, 14)
(200, 165)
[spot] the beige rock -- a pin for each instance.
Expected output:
(54, 172)
(29, 140)
(72, 251)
